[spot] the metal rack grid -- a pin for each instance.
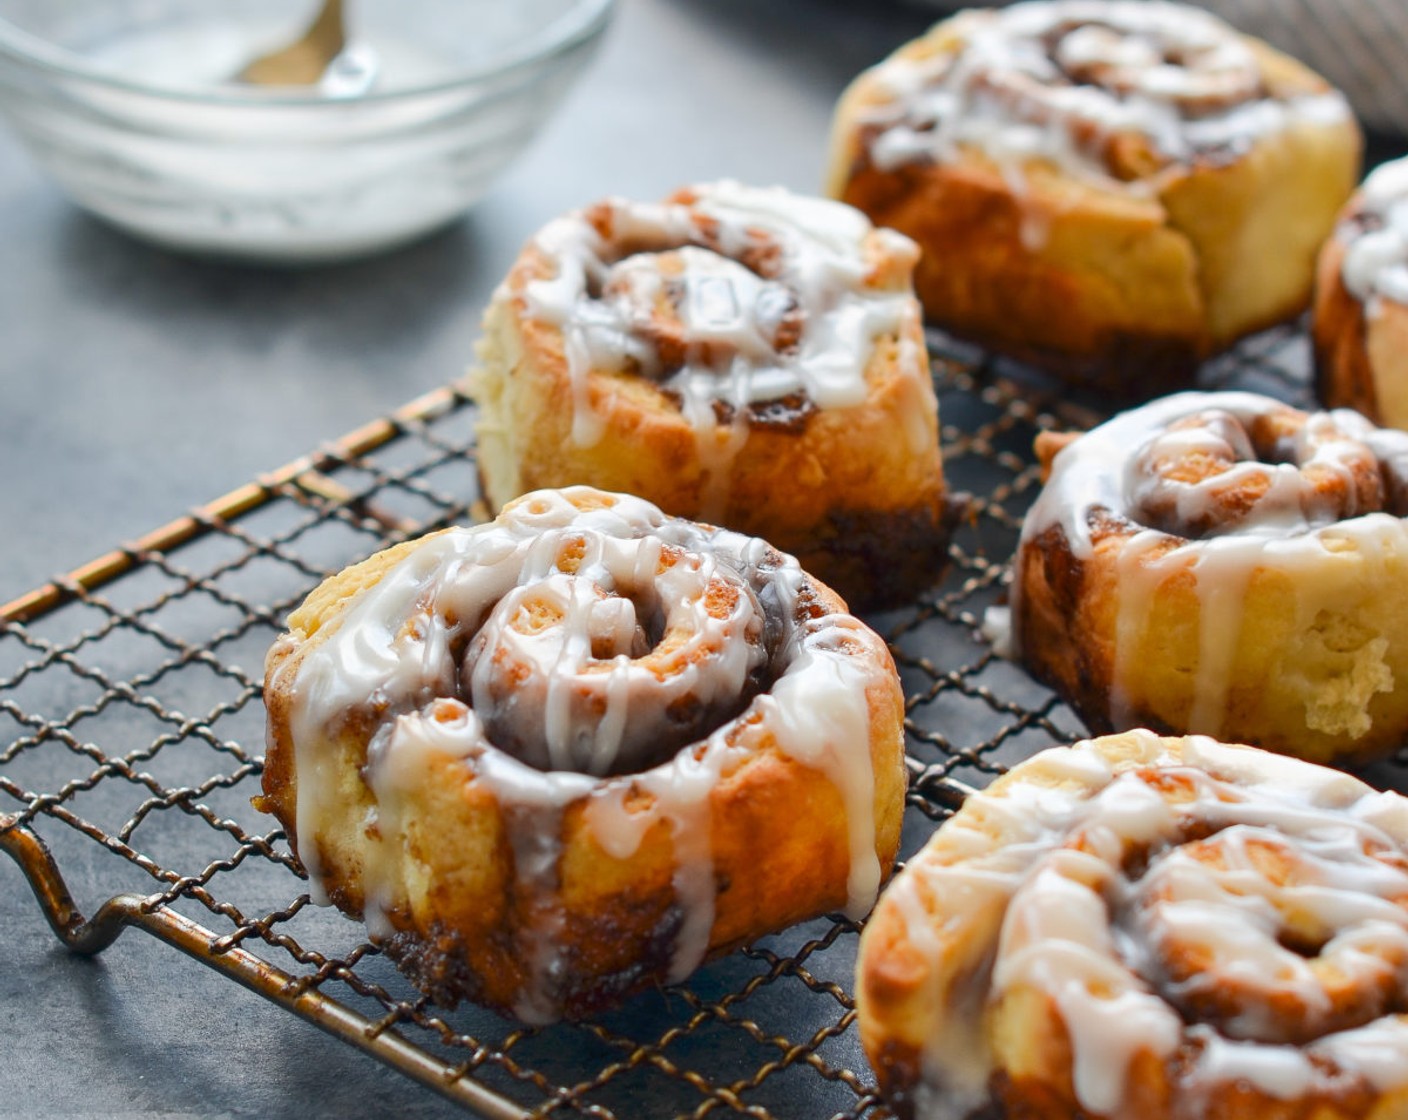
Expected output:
(132, 730)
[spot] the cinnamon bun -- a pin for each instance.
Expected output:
(572, 753)
(1225, 564)
(741, 355)
(1112, 189)
(1148, 928)
(1360, 325)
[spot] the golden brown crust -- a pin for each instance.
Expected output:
(1343, 376)
(1329, 656)
(926, 993)
(1126, 284)
(1124, 622)
(1361, 359)
(1064, 595)
(1127, 289)
(856, 492)
(461, 924)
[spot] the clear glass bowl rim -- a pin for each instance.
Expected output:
(580, 23)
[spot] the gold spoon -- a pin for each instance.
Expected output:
(304, 62)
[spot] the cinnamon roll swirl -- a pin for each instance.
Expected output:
(1222, 563)
(572, 753)
(1112, 189)
(1148, 928)
(1361, 303)
(741, 355)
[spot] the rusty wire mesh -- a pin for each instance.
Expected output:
(132, 732)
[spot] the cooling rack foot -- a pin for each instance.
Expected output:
(80, 934)
(93, 935)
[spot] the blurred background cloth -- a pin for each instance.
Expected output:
(1361, 46)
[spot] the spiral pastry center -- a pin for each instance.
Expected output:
(614, 672)
(1315, 931)
(697, 308)
(1214, 472)
(1280, 931)
(587, 634)
(1200, 74)
(1220, 912)
(730, 298)
(1114, 88)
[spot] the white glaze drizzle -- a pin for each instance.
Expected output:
(392, 650)
(1169, 72)
(604, 292)
(1376, 258)
(1293, 527)
(1033, 881)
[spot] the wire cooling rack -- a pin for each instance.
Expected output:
(132, 725)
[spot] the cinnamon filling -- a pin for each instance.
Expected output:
(1118, 90)
(697, 308)
(1149, 909)
(569, 674)
(1211, 473)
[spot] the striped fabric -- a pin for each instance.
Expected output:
(1359, 45)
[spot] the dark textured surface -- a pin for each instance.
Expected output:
(135, 385)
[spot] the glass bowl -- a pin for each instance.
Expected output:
(133, 107)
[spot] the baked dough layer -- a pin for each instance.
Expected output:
(1111, 256)
(842, 470)
(549, 892)
(1360, 323)
(1224, 564)
(1146, 927)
